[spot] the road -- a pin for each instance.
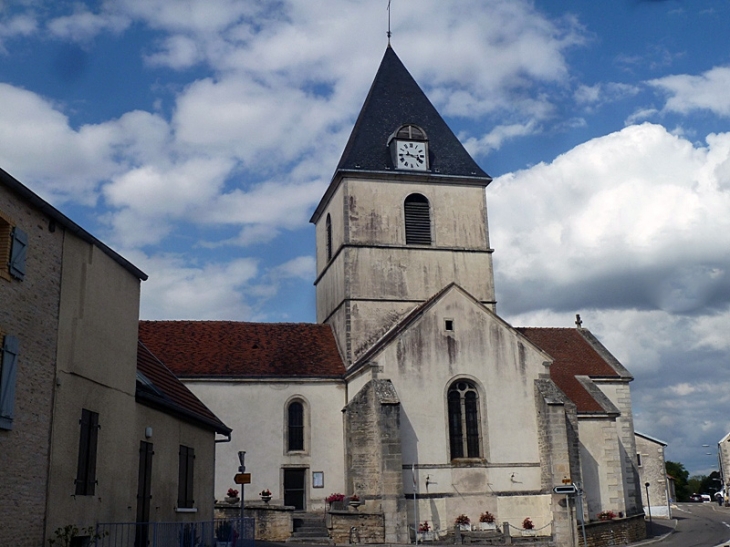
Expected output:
(698, 525)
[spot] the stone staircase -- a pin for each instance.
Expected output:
(310, 528)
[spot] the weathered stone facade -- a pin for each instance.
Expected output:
(29, 311)
(620, 531)
(652, 469)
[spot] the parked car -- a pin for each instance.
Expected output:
(696, 498)
(706, 497)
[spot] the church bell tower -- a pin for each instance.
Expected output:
(404, 216)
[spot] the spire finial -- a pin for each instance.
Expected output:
(389, 33)
(578, 322)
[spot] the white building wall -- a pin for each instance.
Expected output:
(256, 412)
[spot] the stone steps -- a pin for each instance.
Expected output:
(310, 528)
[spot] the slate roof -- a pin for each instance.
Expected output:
(59, 218)
(575, 354)
(396, 99)
(244, 350)
(158, 387)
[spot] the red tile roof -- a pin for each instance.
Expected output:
(574, 356)
(158, 387)
(238, 349)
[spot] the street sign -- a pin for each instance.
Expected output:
(242, 478)
(566, 489)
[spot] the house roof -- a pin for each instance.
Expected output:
(158, 387)
(395, 99)
(238, 349)
(576, 354)
(57, 216)
(650, 438)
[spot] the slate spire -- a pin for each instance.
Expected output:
(395, 99)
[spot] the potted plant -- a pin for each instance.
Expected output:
(486, 521)
(528, 528)
(336, 501)
(232, 495)
(462, 522)
(606, 515)
(424, 532)
(224, 534)
(265, 495)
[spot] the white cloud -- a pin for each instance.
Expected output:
(83, 25)
(705, 92)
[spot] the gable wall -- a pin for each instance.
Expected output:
(29, 311)
(97, 363)
(653, 470)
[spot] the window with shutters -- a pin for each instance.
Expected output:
(86, 472)
(8, 373)
(295, 427)
(186, 475)
(464, 430)
(13, 248)
(418, 220)
(329, 237)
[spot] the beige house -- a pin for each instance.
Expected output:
(410, 391)
(83, 406)
(653, 470)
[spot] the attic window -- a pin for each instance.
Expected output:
(409, 132)
(449, 324)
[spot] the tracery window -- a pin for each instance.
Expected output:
(464, 435)
(418, 220)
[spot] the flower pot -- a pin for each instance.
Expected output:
(529, 533)
(232, 500)
(426, 536)
(464, 527)
(483, 526)
(266, 499)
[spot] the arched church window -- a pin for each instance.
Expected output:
(410, 132)
(329, 237)
(295, 426)
(463, 403)
(418, 220)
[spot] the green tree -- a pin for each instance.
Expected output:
(677, 471)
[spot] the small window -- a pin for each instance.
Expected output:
(185, 477)
(410, 132)
(329, 237)
(638, 459)
(8, 373)
(295, 427)
(418, 220)
(86, 472)
(464, 435)
(448, 324)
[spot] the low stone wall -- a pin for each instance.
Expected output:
(620, 531)
(369, 527)
(273, 522)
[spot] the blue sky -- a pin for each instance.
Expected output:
(196, 137)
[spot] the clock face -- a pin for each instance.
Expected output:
(411, 155)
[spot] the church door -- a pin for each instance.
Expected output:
(294, 492)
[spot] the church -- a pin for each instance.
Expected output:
(410, 392)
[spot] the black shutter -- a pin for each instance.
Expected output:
(8, 376)
(418, 220)
(186, 477)
(88, 441)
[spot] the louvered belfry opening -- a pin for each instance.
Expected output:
(418, 220)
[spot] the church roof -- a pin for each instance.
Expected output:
(396, 99)
(238, 349)
(158, 387)
(576, 353)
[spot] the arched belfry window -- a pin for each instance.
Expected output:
(295, 426)
(464, 435)
(418, 220)
(329, 237)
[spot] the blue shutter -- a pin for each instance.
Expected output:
(18, 251)
(7, 381)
